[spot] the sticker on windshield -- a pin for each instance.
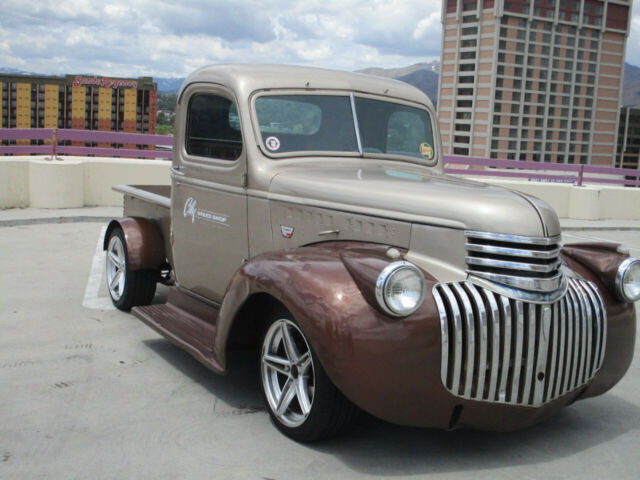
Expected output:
(272, 143)
(426, 150)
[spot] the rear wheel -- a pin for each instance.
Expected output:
(127, 288)
(302, 401)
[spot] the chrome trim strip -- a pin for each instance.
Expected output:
(513, 252)
(540, 290)
(527, 267)
(355, 123)
(501, 237)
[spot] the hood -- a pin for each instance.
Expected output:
(417, 195)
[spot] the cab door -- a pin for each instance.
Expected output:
(209, 202)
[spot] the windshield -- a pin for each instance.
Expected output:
(325, 123)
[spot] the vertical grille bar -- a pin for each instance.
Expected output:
(541, 363)
(470, 347)
(497, 349)
(505, 316)
(600, 330)
(454, 384)
(576, 339)
(588, 321)
(482, 334)
(552, 366)
(444, 332)
(494, 322)
(517, 354)
(531, 342)
(583, 335)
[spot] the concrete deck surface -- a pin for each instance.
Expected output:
(94, 393)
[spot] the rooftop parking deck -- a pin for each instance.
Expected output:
(90, 392)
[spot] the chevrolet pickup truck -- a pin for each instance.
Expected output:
(309, 217)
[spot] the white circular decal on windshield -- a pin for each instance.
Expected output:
(272, 143)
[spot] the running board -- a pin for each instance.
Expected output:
(187, 323)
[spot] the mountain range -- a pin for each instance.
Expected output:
(421, 75)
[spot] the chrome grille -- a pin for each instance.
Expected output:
(498, 349)
(526, 263)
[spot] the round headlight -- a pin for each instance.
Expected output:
(400, 289)
(628, 280)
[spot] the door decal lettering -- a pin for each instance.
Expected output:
(191, 210)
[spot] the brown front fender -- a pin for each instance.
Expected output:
(145, 246)
(388, 367)
(599, 262)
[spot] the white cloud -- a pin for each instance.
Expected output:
(168, 38)
(164, 38)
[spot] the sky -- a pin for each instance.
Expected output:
(171, 39)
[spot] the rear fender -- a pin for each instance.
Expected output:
(145, 246)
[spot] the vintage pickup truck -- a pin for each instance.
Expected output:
(309, 217)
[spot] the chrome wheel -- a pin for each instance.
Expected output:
(287, 373)
(116, 267)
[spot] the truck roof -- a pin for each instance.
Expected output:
(244, 79)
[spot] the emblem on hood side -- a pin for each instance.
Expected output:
(287, 232)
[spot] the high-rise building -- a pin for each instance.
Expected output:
(628, 152)
(533, 80)
(79, 102)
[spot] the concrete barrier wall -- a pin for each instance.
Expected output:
(80, 181)
(75, 181)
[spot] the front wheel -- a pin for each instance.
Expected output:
(127, 288)
(302, 401)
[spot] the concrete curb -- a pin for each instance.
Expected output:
(52, 220)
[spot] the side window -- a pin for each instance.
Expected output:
(213, 127)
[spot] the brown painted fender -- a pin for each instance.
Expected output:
(598, 263)
(390, 367)
(145, 246)
(391, 362)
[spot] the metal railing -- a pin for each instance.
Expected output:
(567, 172)
(55, 141)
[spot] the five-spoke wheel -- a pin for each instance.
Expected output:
(287, 373)
(301, 399)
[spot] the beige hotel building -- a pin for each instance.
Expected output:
(533, 80)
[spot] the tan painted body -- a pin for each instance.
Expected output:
(311, 232)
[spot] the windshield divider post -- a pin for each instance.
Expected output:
(355, 123)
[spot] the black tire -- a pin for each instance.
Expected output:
(330, 414)
(138, 287)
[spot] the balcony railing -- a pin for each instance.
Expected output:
(576, 174)
(55, 142)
